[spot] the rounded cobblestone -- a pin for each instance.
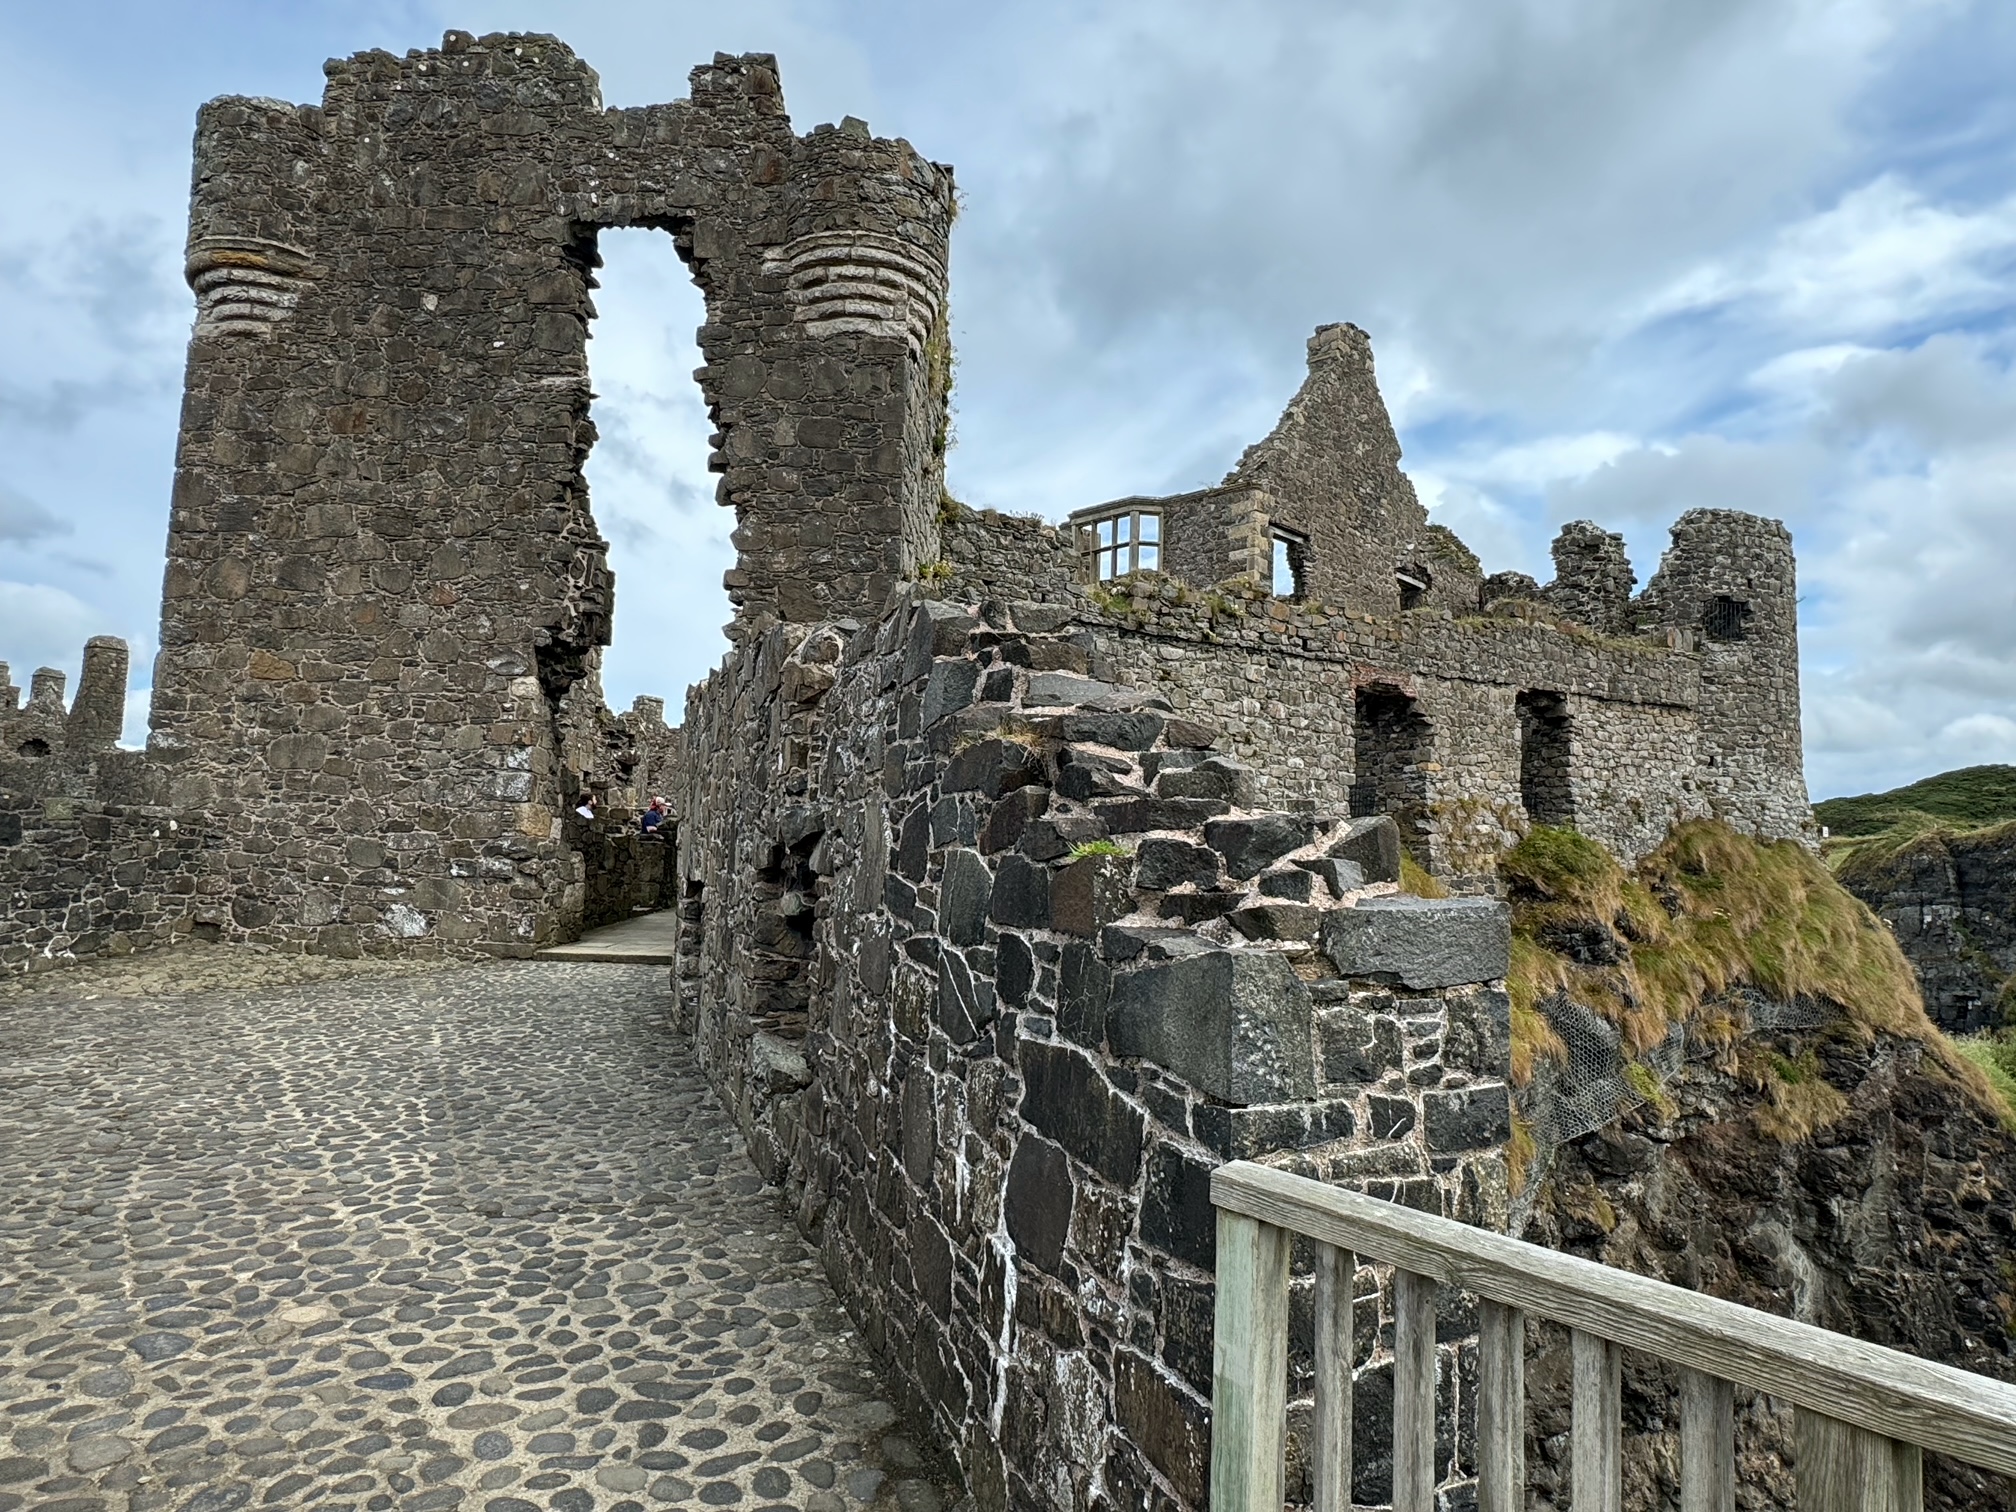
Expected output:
(473, 1237)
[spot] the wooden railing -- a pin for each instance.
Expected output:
(1862, 1413)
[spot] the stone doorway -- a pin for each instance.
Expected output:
(1393, 743)
(1544, 743)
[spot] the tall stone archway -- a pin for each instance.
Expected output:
(383, 575)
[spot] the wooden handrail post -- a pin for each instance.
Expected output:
(1249, 1366)
(1843, 1468)
(1336, 1270)
(1501, 1408)
(1597, 1428)
(1413, 1392)
(1707, 1443)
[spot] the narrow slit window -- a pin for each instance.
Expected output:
(1291, 563)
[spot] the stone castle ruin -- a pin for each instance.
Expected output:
(1022, 873)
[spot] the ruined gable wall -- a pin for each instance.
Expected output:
(1011, 1192)
(383, 578)
(1331, 469)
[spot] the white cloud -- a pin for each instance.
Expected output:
(1617, 260)
(1882, 258)
(1545, 460)
(647, 474)
(1977, 738)
(41, 626)
(1655, 484)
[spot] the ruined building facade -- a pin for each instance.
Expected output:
(1023, 873)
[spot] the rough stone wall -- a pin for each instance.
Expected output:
(1051, 973)
(1018, 558)
(383, 582)
(1331, 469)
(92, 858)
(90, 723)
(1592, 578)
(1217, 534)
(1281, 680)
(1750, 755)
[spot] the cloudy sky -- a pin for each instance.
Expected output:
(1618, 258)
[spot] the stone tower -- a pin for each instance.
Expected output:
(383, 577)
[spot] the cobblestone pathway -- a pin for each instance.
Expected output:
(472, 1237)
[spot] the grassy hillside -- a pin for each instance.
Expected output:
(1708, 911)
(1966, 799)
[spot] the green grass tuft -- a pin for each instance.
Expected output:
(1086, 848)
(1995, 1057)
(1708, 911)
(1415, 879)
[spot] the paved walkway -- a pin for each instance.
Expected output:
(646, 939)
(472, 1237)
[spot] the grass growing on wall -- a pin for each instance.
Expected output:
(1708, 911)
(1417, 881)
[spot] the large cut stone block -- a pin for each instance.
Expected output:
(1233, 1023)
(1421, 942)
(1373, 844)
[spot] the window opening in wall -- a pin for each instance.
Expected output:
(1414, 581)
(1726, 619)
(781, 944)
(1544, 788)
(1128, 540)
(34, 750)
(1392, 745)
(1291, 562)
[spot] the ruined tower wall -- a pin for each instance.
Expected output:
(383, 577)
(991, 1065)
(1592, 578)
(1728, 585)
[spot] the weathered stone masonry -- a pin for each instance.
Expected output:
(995, 1078)
(1008, 905)
(385, 596)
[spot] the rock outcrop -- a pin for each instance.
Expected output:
(1950, 897)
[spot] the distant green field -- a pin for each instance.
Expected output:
(1966, 799)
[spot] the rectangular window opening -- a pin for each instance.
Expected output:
(1291, 563)
(1726, 619)
(1127, 542)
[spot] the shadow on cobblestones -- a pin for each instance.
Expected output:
(470, 1237)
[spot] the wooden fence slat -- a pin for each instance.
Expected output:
(1501, 1408)
(1249, 1366)
(1944, 1409)
(1413, 1393)
(1843, 1468)
(1597, 1433)
(1336, 1270)
(1707, 1443)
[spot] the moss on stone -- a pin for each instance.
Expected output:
(1417, 881)
(1709, 912)
(1443, 543)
